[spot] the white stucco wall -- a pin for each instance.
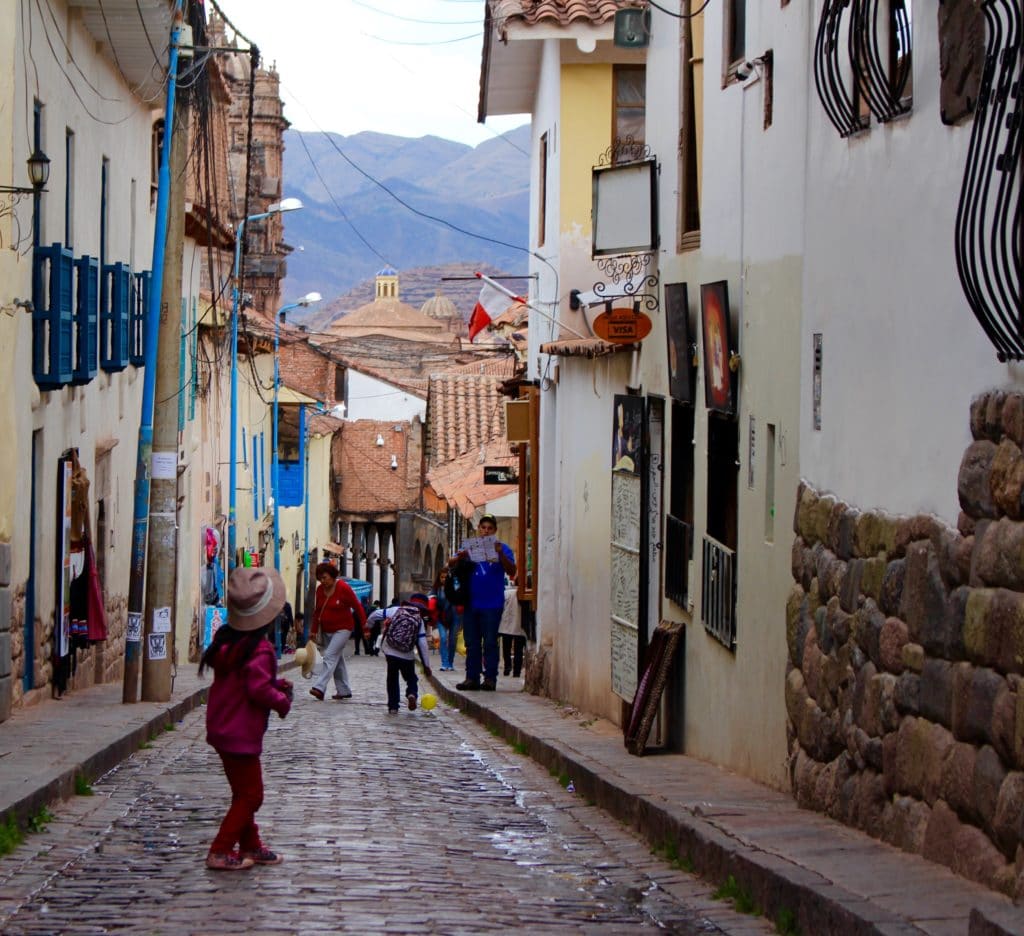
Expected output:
(371, 398)
(902, 352)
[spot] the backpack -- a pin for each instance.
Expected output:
(403, 629)
(456, 587)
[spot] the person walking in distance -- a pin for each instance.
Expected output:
(337, 613)
(482, 615)
(405, 633)
(245, 691)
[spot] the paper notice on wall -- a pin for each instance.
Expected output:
(165, 466)
(157, 647)
(134, 632)
(161, 620)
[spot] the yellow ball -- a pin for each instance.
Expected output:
(428, 702)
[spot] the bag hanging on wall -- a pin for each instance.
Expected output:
(97, 611)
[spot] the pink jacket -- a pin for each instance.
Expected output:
(242, 697)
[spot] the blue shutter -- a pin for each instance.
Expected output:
(137, 318)
(181, 362)
(115, 299)
(87, 298)
(255, 480)
(263, 474)
(52, 315)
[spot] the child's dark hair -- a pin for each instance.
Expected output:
(225, 635)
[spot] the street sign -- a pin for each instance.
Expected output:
(500, 474)
(622, 326)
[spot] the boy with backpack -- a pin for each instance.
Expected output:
(404, 633)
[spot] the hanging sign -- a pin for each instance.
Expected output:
(622, 326)
(500, 474)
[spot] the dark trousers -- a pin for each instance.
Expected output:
(512, 653)
(407, 668)
(245, 777)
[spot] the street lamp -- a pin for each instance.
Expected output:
(275, 475)
(287, 204)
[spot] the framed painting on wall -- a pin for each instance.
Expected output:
(718, 377)
(627, 428)
(680, 356)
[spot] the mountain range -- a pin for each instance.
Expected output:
(351, 227)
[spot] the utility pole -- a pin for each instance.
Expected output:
(161, 557)
(140, 524)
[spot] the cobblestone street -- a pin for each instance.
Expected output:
(419, 823)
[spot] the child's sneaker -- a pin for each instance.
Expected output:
(411, 699)
(392, 711)
(220, 861)
(262, 856)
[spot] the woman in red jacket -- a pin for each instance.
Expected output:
(244, 692)
(337, 612)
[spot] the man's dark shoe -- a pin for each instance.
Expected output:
(468, 685)
(488, 685)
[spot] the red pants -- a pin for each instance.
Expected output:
(239, 826)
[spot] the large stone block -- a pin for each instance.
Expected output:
(891, 641)
(803, 521)
(1007, 479)
(956, 786)
(813, 669)
(935, 696)
(924, 605)
(977, 859)
(974, 481)
(994, 414)
(863, 714)
(5, 654)
(940, 837)
(822, 516)
(6, 603)
(980, 636)
(6, 697)
(998, 559)
(872, 578)
(989, 776)
(891, 595)
(905, 822)
(875, 535)
(908, 693)
(867, 630)
(1008, 820)
(1003, 730)
(844, 533)
(849, 585)
(796, 694)
(954, 554)
(978, 407)
(831, 573)
(921, 749)
(914, 529)
(975, 689)
(913, 657)
(5, 564)
(798, 623)
(1013, 418)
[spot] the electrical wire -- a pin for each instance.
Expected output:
(690, 15)
(412, 19)
(435, 42)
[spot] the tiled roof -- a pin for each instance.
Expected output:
(583, 347)
(465, 408)
(320, 424)
(368, 485)
(391, 317)
(563, 12)
(461, 482)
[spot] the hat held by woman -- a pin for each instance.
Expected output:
(308, 657)
(255, 598)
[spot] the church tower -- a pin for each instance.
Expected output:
(387, 284)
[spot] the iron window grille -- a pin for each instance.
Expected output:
(138, 304)
(678, 552)
(874, 67)
(989, 254)
(718, 592)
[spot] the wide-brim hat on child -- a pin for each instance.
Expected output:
(255, 598)
(306, 658)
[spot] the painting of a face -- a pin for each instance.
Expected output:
(718, 393)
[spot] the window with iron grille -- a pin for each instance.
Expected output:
(86, 330)
(718, 565)
(138, 304)
(115, 305)
(679, 521)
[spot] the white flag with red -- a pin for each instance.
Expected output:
(493, 302)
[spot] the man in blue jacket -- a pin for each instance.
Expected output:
(483, 613)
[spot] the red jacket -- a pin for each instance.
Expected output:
(339, 612)
(242, 697)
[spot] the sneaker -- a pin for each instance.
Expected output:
(468, 685)
(262, 856)
(337, 697)
(392, 711)
(218, 861)
(488, 685)
(317, 694)
(411, 699)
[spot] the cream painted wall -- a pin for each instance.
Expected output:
(107, 409)
(370, 398)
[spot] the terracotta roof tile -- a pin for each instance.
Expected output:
(562, 12)
(465, 409)
(461, 482)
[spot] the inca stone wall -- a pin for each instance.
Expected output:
(905, 679)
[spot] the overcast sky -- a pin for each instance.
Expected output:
(351, 65)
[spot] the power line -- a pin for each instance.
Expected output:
(412, 19)
(435, 42)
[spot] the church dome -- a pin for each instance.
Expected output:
(439, 307)
(387, 271)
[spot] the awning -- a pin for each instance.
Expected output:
(583, 347)
(333, 548)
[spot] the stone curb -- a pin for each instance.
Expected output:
(62, 786)
(775, 884)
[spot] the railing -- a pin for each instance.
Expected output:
(718, 592)
(678, 552)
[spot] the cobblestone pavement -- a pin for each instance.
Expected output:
(420, 823)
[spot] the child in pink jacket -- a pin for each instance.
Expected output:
(245, 690)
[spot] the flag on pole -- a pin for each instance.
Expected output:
(493, 301)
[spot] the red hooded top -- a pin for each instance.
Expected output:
(242, 697)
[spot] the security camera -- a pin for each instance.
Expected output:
(745, 69)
